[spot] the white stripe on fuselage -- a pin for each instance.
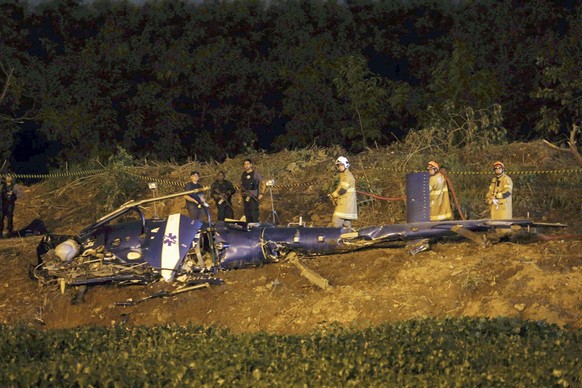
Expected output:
(171, 247)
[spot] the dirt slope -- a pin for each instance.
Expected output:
(537, 280)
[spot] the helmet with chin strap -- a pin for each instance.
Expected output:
(498, 163)
(343, 160)
(433, 165)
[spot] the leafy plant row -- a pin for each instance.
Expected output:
(448, 352)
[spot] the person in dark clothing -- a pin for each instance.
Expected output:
(222, 191)
(2, 184)
(9, 197)
(253, 187)
(195, 202)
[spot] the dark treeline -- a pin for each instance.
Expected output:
(172, 80)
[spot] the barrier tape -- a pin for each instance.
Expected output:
(285, 186)
(541, 172)
(538, 172)
(166, 181)
(56, 175)
(292, 185)
(151, 179)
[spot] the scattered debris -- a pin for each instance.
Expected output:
(162, 294)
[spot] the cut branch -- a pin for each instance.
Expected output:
(7, 83)
(572, 147)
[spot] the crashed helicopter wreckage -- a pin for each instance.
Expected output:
(178, 248)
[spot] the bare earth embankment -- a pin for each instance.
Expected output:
(537, 280)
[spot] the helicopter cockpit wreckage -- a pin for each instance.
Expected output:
(179, 249)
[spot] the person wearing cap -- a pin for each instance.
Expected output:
(499, 195)
(440, 203)
(344, 196)
(195, 202)
(252, 191)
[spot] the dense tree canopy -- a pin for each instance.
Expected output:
(178, 79)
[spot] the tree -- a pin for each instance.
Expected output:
(560, 91)
(366, 95)
(314, 112)
(560, 88)
(13, 58)
(506, 38)
(306, 38)
(8, 124)
(463, 107)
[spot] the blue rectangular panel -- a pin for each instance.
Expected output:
(417, 197)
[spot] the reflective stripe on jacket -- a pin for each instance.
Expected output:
(501, 188)
(347, 205)
(440, 203)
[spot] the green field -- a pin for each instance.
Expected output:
(450, 352)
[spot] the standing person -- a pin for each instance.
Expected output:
(222, 191)
(252, 191)
(344, 196)
(9, 197)
(195, 202)
(440, 203)
(2, 184)
(499, 196)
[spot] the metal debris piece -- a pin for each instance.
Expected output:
(417, 246)
(309, 274)
(470, 235)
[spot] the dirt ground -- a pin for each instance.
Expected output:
(534, 279)
(539, 280)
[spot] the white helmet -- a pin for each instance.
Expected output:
(343, 160)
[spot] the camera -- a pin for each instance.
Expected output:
(270, 183)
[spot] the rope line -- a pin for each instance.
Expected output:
(380, 197)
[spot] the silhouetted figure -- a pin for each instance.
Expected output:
(195, 202)
(9, 197)
(253, 187)
(222, 191)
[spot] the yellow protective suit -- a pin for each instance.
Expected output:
(440, 203)
(346, 207)
(499, 197)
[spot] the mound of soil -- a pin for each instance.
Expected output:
(536, 280)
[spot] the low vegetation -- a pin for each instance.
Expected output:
(448, 352)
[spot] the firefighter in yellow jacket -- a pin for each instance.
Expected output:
(499, 195)
(440, 203)
(344, 197)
